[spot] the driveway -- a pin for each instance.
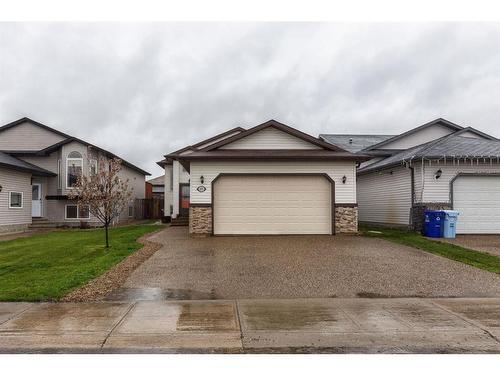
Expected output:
(298, 266)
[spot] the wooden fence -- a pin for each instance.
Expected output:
(150, 208)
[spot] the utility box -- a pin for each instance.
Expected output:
(450, 223)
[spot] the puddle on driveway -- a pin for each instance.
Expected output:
(158, 294)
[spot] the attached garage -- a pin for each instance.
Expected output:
(273, 204)
(477, 198)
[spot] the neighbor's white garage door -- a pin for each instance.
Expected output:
(272, 205)
(477, 198)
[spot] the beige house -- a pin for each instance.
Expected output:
(269, 179)
(438, 165)
(38, 166)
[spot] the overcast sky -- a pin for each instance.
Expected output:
(143, 90)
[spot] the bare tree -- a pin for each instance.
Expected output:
(103, 191)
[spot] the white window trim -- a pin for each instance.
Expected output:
(59, 173)
(67, 166)
(77, 213)
(91, 163)
(22, 200)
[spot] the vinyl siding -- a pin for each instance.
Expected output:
(385, 197)
(16, 181)
(422, 136)
(27, 136)
(439, 190)
(270, 139)
(344, 193)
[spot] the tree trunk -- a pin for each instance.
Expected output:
(107, 237)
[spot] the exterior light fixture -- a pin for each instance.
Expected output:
(344, 179)
(202, 179)
(1, 187)
(438, 174)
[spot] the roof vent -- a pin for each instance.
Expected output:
(350, 141)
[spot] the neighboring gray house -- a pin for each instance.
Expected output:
(437, 165)
(38, 166)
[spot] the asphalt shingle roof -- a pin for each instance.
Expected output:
(9, 161)
(358, 143)
(451, 146)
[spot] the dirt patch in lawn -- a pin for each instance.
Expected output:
(100, 287)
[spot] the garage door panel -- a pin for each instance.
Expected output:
(477, 198)
(272, 205)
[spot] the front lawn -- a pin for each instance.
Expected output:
(47, 266)
(474, 258)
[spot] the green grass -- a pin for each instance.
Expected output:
(47, 266)
(474, 258)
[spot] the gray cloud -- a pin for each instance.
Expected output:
(142, 90)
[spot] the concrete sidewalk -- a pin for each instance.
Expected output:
(335, 325)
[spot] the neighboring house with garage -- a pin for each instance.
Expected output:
(155, 188)
(38, 167)
(439, 165)
(269, 179)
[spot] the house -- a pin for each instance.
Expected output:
(38, 167)
(438, 165)
(268, 179)
(155, 188)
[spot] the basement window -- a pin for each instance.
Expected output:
(74, 211)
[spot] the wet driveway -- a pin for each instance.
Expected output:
(297, 266)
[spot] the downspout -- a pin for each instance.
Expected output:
(412, 182)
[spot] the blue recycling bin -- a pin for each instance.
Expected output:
(450, 223)
(433, 223)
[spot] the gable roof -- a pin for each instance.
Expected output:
(33, 122)
(440, 121)
(449, 146)
(55, 146)
(277, 125)
(205, 141)
(354, 142)
(8, 161)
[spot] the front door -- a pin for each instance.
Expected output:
(184, 200)
(36, 200)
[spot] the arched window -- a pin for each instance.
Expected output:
(74, 155)
(74, 167)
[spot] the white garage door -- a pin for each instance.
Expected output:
(272, 205)
(477, 198)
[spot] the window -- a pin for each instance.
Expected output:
(74, 168)
(93, 167)
(130, 211)
(171, 178)
(59, 174)
(74, 211)
(15, 200)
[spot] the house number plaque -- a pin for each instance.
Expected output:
(201, 189)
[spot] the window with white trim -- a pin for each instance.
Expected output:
(59, 173)
(15, 199)
(74, 211)
(93, 167)
(74, 167)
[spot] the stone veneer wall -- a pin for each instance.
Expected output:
(13, 228)
(346, 219)
(418, 209)
(200, 220)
